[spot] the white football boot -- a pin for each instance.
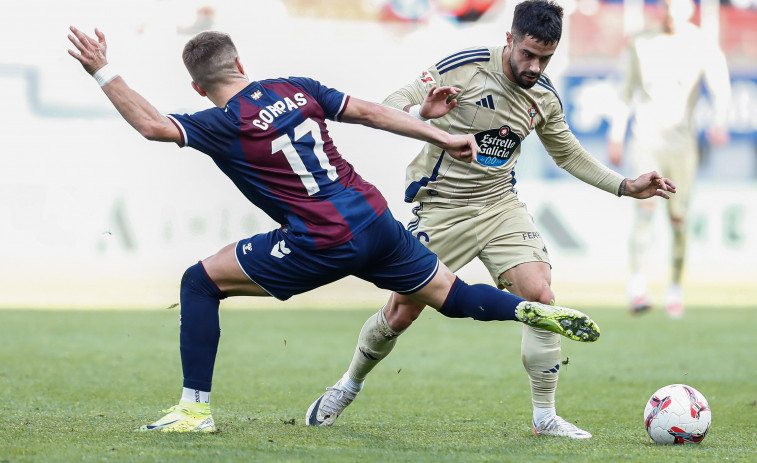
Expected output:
(328, 407)
(556, 426)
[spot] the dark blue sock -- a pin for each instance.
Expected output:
(479, 302)
(200, 327)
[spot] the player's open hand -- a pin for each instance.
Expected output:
(648, 185)
(439, 101)
(462, 147)
(92, 53)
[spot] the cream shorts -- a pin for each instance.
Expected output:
(502, 234)
(679, 165)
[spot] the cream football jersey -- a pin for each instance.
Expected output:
(500, 114)
(663, 77)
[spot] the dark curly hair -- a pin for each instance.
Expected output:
(541, 19)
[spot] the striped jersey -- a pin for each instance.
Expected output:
(271, 141)
(500, 114)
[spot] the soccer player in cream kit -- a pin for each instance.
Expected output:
(662, 80)
(501, 113)
(471, 210)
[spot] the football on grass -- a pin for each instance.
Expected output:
(677, 414)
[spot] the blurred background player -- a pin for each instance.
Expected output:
(468, 211)
(270, 138)
(661, 85)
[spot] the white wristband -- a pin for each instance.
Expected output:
(415, 111)
(104, 75)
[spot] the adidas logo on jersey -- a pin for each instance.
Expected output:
(486, 102)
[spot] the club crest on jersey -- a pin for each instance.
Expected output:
(497, 145)
(532, 112)
(256, 95)
(427, 78)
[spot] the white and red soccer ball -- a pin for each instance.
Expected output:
(677, 414)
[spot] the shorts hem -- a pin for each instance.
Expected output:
(424, 282)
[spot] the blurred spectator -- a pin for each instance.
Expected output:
(203, 22)
(662, 81)
(422, 10)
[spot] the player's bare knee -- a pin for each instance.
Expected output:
(400, 315)
(401, 318)
(547, 296)
(677, 223)
(538, 293)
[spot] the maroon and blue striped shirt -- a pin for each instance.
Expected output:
(271, 141)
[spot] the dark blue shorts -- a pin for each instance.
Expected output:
(384, 254)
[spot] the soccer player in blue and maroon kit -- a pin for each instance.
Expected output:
(270, 138)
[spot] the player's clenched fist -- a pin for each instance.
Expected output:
(463, 147)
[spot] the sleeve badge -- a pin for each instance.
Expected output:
(427, 78)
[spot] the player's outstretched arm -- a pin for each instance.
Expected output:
(646, 186)
(92, 54)
(462, 147)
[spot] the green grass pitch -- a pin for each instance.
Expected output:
(77, 384)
